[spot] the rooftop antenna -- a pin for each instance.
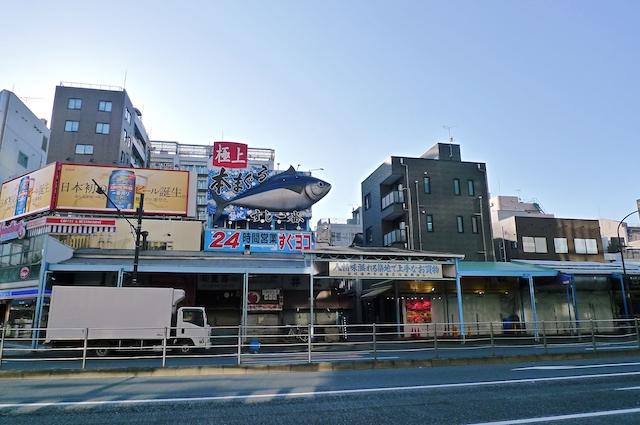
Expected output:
(448, 128)
(124, 82)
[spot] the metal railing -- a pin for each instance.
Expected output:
(229, 345)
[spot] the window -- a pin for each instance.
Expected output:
(124, 135)
(586, 246)
(367, 201)
(475, 228)
(71, 125)
(74, 103)
(127, 115)
(202, 184)
(536, 245)
(194, 317)
(429, 223)
(23, 159)
(104, 106)
(471, 187)
(456, 186)
(368, 235)
(45, 142)
(560, 245)
(202, 199)
(102, 128)
(460, 224)
(84, 149)
(427, 184)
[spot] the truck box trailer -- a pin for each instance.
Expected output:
(124, 317)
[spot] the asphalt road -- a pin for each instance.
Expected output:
(591, 392)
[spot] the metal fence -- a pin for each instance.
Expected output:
(237, 345)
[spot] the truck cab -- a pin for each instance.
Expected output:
(192, 327)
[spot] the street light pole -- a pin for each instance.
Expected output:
(625, 281)
(137, 230)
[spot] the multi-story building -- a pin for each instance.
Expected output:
(97, 124)
(24, 138)
(197, 159)
(339, 232)
(436, 202)
(551, 239)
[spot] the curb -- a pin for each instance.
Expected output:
(303, 367)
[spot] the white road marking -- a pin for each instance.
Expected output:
(279, 395)
(562, 417)
(567, 367)
(627, 388)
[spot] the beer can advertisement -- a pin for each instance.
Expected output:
(28, 194)
(165, 191)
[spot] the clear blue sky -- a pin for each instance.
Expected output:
(546, 92)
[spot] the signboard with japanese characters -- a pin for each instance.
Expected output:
(27, 195)
(265, 300)
(165, 191)
(241, 192)
(406, 270)
(274, 241)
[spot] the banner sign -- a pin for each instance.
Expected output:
(274, 241)
(12, 230)
(26, 195)
(385, 269)
(165, 191)
(22, 293)
(230, 155)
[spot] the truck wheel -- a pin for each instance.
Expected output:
(185, 346)
(101, 352)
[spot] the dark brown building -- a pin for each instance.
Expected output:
(547, 238)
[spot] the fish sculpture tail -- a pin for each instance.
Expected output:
(221, 204)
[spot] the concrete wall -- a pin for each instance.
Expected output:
(20, 131)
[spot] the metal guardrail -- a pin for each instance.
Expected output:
(322, 343)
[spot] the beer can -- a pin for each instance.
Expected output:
(23, 194)
(121, 189)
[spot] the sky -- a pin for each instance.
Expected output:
(547, 93)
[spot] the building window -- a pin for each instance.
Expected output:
(368, 235)
(586, 246)
(127, 115)
(560, 245)
(202, 214)
(74, 104)
(367, 201)
(104, 106)
(45, 142)
(102, 128)
(456, 186)
(84, 149)
(202, 199)
(535, 245)
(71, 125)
(429, 223)
(23, 159)
(202, 184)
(460, 224)
(124, 135)
(471, 187)
(475, 228)
(427, 184)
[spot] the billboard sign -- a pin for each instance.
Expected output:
(258, 194)
(230, 155)
(165, 191)
(12, 230)
(409, 270)
(273, 241)
(26, 195)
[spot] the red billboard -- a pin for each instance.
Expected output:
(230, 155)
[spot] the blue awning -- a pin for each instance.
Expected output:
(500, 269)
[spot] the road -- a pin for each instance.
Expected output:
(588, 391)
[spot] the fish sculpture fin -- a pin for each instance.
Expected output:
(221, 204)
(297, 188)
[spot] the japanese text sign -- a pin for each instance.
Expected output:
(274, 241)
(386, 269)
(26, 195)
(230, 155)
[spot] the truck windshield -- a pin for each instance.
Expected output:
(194, 317)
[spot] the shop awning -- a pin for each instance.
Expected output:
(500, 269)
(583, 267)
(376, 291)
(70, 226)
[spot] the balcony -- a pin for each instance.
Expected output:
(397, 236)
(392, 205)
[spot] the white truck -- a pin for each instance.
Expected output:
(131, 318)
